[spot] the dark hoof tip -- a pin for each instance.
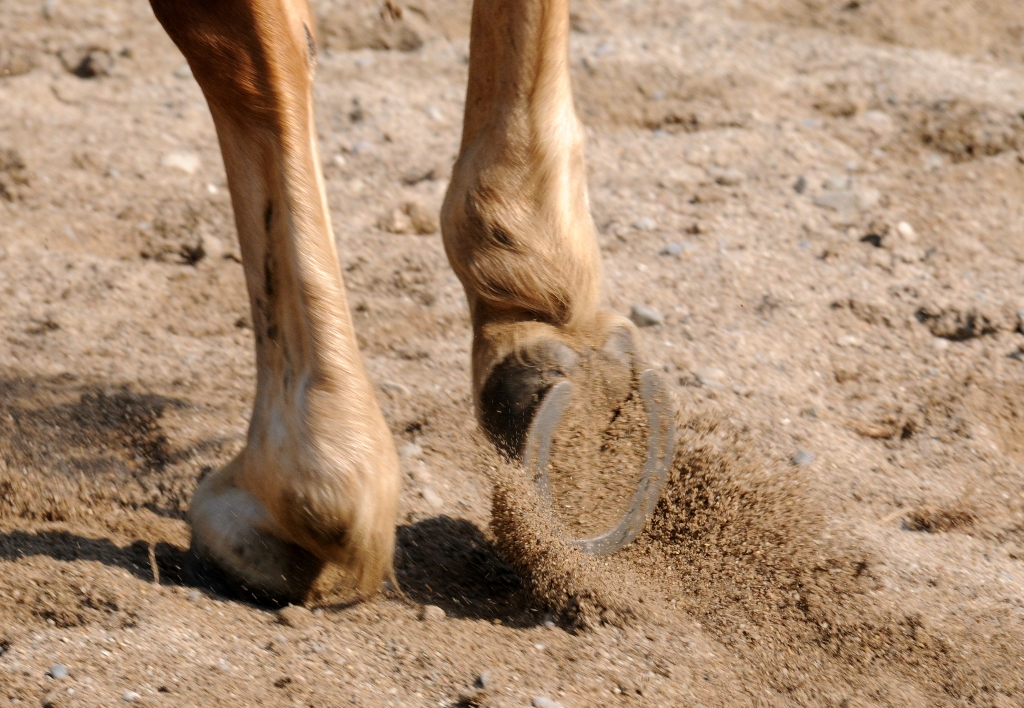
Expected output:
(516, 387)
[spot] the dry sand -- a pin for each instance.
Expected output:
(839, 187)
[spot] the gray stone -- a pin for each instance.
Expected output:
(800, 186)
(802, 457)
(432, 613)
(361, 147)
(837, 183)
(1020, 321)
(645, 316)
(843, 200)
(484, 680)
(675, 249)
(545, 702)
(195, 596)
(846, 200)
(393, 388)
(130, 696)
(58, 671)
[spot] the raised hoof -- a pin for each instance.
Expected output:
(515, 388)
(657, 467)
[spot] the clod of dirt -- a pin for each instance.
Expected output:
(959, 324)
(933, 519)
(87, 63)
(346, 25)
(13, 175)
(645, 316)
(410, 218)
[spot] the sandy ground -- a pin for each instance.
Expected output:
(819, 198)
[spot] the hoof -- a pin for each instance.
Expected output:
(234, 553)
(205, 572)
(516, 387)
(532, 391)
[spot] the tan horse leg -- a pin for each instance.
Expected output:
(516, 219)
(318, 479)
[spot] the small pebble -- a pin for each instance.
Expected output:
(645, 223)
(906, 231)
(421, 474)
(645, 316)
(836, 183)
(800, 186)
(361, 147)
(484, 680)
(432, 613)
(130, 696)
(187, 162)
(295, 616)
(710, 376)
(410, 450)
(58, 671)
(393, 387)
(432, 498)
(729, 177)
(183, 72)
(802, 457)
(545, 702)
(195, 596)
(843, 200)
(415, 175)
(675, 249)
(1020, 321)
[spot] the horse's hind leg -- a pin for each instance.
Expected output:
(516, 220)
(318, 478)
